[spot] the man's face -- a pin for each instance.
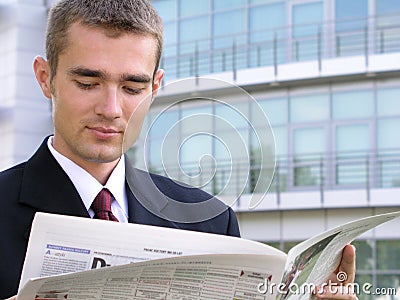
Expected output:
(100, 82)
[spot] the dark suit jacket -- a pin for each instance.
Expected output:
(40, 184)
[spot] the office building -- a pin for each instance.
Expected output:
(327, 75)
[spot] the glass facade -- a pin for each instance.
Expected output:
(211, 36)
(306, 25)
(330, 134)
(351, 26)
(341, 138)
(265, 32)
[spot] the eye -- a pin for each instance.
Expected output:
(132, 91)
(85, 86)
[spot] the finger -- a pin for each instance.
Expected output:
(348, 264)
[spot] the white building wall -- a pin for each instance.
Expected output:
(8, 44)
(298, 225)
(25, 115)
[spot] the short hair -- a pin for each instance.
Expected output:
(114, 16)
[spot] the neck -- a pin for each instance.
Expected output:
(100, 171)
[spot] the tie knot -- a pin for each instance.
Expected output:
(102, 206)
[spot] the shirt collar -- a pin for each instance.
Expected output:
(87, 186)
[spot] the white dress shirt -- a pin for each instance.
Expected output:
(88, 187)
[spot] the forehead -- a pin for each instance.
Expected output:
(109, 49)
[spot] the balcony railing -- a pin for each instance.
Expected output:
(310, 42)
(336, 171)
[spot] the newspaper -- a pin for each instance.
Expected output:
(314, 260)
(146, 262)
(188, 277)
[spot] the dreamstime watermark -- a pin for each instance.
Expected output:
(333, 288)
(220, 142)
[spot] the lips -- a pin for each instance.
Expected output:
(104, 132)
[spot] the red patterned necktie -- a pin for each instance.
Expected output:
(102, 206)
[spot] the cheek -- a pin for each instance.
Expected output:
(135, 123)
(67, 114)
(54, 109)
(137, 110)
(61, 110)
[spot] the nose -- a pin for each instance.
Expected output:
(110, 106)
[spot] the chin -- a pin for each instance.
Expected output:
(103, 160)
(104, 156)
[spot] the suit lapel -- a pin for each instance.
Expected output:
(46, 187)
(138, 188)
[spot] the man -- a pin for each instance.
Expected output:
(102, 71)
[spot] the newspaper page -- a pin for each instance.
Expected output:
(216, 277)
(310, 263)
(63, 244)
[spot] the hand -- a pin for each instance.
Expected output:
(12, 298)
(336, 288)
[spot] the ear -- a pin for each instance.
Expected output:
(42, 72)
(158, 77)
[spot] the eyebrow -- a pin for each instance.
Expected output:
(85, 72)
(80, 71)
(142, 78)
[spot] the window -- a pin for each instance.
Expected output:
(388, 102)
(309, 141)
(387, 7)
(388, 134)
(306, 21)
(229, 35)
(170, 39)
(274, 109)
(227, 4)
(190, 8)
(309, 145)
(162, 122)
(302, 106)
(187, 34)
(351, 22)
(388, 256)
(352, 138)
(306, 18)
(387, 23)
(166, 8)
(350, 15)
(352, 162)
(231, 116)
(228, 24)
(163, 125)
(264, 1)
(191, 62)
(281, 152)
(264, 30)
(389, 152)
(352, 105)
(281, 140)
(193, 150)
(195, 118)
